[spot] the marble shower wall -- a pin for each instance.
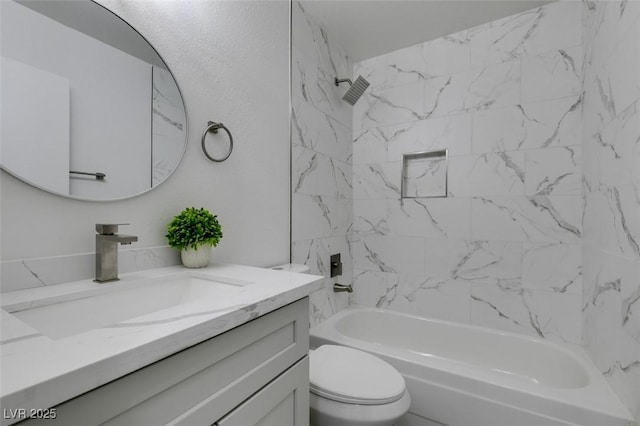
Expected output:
(321, 160)
(503, 250)
(611, 241)
(168, 125)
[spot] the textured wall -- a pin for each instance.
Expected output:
(611, 243)
(231, 62)
(503, 249)
(321, 156)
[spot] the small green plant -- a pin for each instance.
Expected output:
(192, 228)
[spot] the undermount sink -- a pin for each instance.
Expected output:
(107, 304)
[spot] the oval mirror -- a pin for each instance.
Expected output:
(89, 110)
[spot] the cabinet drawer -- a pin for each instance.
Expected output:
(283, 402)
(210, 378)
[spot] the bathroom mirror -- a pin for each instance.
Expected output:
(89, 110)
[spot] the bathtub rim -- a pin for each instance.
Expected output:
(567, 350)
(597, 396)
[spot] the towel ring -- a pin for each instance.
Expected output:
(213, 128)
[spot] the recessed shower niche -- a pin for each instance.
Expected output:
(424, 174)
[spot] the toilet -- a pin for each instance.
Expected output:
(352, 388)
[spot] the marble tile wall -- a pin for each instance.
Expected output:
(503, 250)
(321, 160)
(168, 124)
(611, 241)
(39, 272)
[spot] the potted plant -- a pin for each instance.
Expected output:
(194, 232)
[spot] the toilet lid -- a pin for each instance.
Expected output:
(352, 376)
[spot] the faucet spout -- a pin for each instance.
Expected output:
(118, 238)
(338, 288)
(107, 241)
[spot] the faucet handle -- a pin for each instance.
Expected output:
(108, 228)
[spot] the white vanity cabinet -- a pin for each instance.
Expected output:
(254, 374)
(283, 402)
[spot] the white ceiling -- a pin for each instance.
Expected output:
(368, 28)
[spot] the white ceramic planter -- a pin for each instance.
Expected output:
(192, 258)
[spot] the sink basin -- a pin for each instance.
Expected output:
(108, 304)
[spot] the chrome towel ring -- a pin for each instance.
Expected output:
(213, 128)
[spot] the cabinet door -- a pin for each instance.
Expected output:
(283, 402)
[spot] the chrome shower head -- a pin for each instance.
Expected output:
(355, 91)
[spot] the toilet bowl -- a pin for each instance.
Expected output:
(352, 388)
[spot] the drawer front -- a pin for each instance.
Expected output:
(210, 378)
(283, 402)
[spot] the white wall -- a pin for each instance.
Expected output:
(40, 98)
(231, 62)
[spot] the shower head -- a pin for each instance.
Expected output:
(355, 91)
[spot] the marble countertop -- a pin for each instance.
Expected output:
(39, 371)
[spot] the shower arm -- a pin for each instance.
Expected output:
(343, 80)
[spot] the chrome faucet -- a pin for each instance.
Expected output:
(107, 241)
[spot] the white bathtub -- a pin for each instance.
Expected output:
(461, 375)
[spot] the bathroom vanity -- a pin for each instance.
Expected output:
(236, 359)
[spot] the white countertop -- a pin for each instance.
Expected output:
(40, 372)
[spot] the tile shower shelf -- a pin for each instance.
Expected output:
(424, 174)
